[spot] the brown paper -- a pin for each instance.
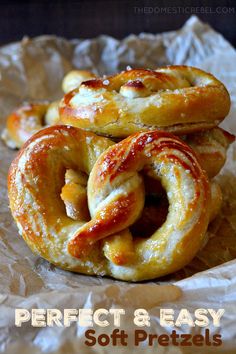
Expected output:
(33, 70)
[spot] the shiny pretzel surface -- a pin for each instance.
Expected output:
(27, 120)
(105, 245)
(179, 99)
(133, 210)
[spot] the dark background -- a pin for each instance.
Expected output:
(86, 19)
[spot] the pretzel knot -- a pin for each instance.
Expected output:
(116, 199)
(178, 99)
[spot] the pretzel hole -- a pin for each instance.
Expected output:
(155, 209)
(119, 248)
(32, 115)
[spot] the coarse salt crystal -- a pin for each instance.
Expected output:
(149, 139)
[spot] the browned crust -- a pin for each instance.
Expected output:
(188, 100)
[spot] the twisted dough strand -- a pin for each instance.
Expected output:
(113, 183)
(116, 197)
(36, 178)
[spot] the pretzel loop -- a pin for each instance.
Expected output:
(35, 182)
(111, 186)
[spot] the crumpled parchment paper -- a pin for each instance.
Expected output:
(33, 70)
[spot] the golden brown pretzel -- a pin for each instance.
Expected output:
(179, 99)
(36, 178)
(27, 120)
(116, 199)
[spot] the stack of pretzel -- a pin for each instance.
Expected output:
(121, 182)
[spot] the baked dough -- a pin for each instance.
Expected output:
(179, 99)
(35, 181)
(28, 120)
(116, 198)
(75, 78)
(211, 148)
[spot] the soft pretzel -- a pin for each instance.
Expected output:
(179, 99)
(36, 178)
(119, 249)
(27, 120)
(116, 198)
